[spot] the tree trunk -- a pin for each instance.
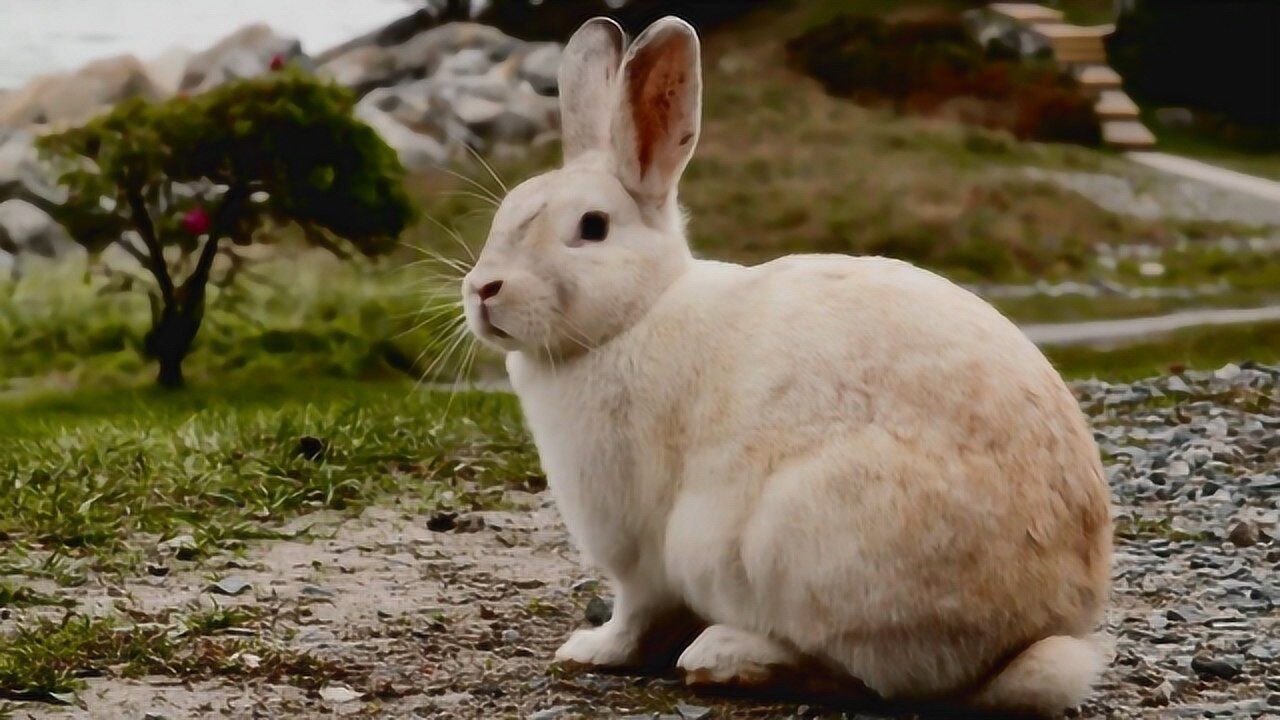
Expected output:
(170, 341)
(170, 372)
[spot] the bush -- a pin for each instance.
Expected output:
(236, 164)
(920, 66)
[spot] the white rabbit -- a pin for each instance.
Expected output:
(829, 459)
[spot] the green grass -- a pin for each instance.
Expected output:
(1203, 145)
(1198, 348)
(45, 659)
(83, 476)
(69, 327)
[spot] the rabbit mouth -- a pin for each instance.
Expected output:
(487, 325)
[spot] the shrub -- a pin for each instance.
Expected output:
(236, 164)
(919, 66)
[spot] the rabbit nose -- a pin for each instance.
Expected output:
(489, 289)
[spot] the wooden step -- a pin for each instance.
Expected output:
(1115, 105)
(1066, 31)
(1074, 44)
(1127, 134)
(1026, 12)
(1098, 77)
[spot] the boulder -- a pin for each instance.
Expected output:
(71, 98)
(540, 66)
(474, 110)
(22, 175)
(366, 67)
(167, 69)
(27, 230)
(416, 150)
(247, 52)
(467, 61)
(362, 69)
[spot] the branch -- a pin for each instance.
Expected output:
(137, 254)
(193, 287)
(142, 221)
(321, 240)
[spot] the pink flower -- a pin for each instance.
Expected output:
(196, 221)
(277, 61)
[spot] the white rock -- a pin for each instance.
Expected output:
(26, 230)
(1151, 269)
(247, 52)
(540, 66)
(474, 110)
(65, 99)
(416, 151)
(339, 694)
(166, 69)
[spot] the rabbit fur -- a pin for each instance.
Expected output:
(837, 459)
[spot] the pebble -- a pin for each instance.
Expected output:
(229, 586)
(1195, 480)
(598, 610)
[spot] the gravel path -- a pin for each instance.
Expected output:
(1128, 330)
(1212, 174)
(457, 618)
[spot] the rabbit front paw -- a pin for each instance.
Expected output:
(604, 646)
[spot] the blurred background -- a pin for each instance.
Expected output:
(231, 233)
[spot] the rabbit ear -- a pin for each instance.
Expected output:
(655, 126)
(586, 78)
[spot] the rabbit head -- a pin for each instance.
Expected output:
(577, 255)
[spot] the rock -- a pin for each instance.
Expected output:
(1243, 533)
(339, 694)
(693, 712)
(1207, 666)
(416, 151)
(598, 610)
(468, 61)
(317, 592)
(469, 523)
(540, 67)
(1227, 372)
(26, 230)
(510, 636)
(157, 570)
(442, 522)
(23, 175)
(247, 52)
(166, 69)
(553, 713)
(70, 98)
(455, 48)
(474, 111)
(311, 448)
(183, 547)
(229, 586)
(362, 69)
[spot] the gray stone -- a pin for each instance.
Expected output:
(229, 586)
(598, 610)
(247, 52)
(63, 99)
(540, 66)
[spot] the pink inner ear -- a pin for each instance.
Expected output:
(656, 77)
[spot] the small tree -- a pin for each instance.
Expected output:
(234, 165)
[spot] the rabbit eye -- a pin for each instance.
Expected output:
(594, 226)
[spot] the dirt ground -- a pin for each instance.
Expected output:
(456, 623)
